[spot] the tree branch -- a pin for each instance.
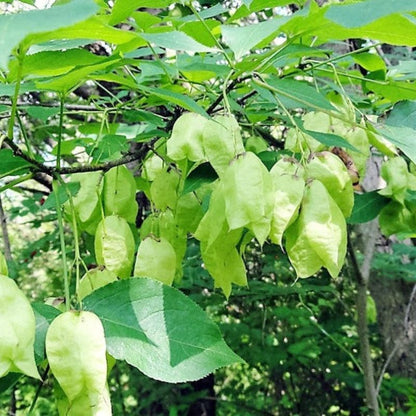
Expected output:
(363, 275)
(39, 167)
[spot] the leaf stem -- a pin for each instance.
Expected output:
(15, 97)
(38, 390)
(61, 125)
(62, 241)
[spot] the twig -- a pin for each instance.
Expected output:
(52, 171)
(71, 107)
(230, 87)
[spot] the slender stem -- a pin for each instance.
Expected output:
(25, 136)
(38, 390)
(61, 125)
(15, 97)
(344, 55)
(224, 93)
(314, 320)
(62, 241)
(78, 260)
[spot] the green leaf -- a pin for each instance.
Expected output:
(403, 115)
(360, 14)
(370, 61)
(242, 38)
(8, 381)
(176, 98)
(15, 27)
(402, 137)
(44, 315)
(159, 330)
(302, 94)
(203, 174)
(51, 63)
(72, 79)
(124, 8)
(42, 113)
(63, 191)
(11, 164)
(366, 207)
(175, 40)
(110, 147)
(328, 139)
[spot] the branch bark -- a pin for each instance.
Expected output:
(6, 241)
(363, 277)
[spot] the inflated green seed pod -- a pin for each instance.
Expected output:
(94, 279)
(163, 190)
(114, 245)
(288, 186)
(186, 141)
(17, 331)
(248, 194)
(331, 171)
(319, 236)
(222, 142)
(87, 201)
(76, 351)
(120, 193)
(156, 258)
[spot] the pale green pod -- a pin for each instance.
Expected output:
(163, 190)
(186, 139)
(222, 142)
(114, 245)
(17, 331)
(331, 171)
(87, 201)
(94, 279)
(120, 193)
(248, 193)
(288, 184)
(76, 352)
(319, 235)
(156, 258)
(223, 261)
